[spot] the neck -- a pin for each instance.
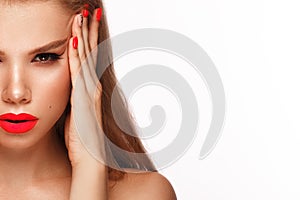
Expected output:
(45, 160)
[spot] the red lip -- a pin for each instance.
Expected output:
(17, 124)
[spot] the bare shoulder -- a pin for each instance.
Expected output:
(147, 185)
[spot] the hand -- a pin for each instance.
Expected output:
(84, 120)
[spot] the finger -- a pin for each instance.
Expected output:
(94, 33)
(74, 60)
(73, 51)
(94, 28)
(85, 35)
(77, 32)
(85, 30)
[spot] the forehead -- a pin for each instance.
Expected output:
(32, 24)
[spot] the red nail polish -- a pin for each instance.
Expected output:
(99, 14)
(75, 42)
(85, 13)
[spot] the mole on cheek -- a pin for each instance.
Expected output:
(50, 107)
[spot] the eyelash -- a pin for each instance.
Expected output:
(51, 57)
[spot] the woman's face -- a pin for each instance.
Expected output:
(34, 71)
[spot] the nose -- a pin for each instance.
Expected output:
(16, 91)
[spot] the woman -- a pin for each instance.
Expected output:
(43, 48)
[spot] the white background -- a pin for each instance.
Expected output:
(255, 46)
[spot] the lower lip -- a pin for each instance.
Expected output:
(17, 128)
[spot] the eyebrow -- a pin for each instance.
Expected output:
(47, 47)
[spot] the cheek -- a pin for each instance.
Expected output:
(53, 90)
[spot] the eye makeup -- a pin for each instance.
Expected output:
(47, 58)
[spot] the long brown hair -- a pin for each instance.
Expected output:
(128, 142)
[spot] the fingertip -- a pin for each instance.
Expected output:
(75, 42)
(73, 55)
(77, 25)
(74, 62)
(85, 13)
(98, 14)
(79, 20)
(94, 28)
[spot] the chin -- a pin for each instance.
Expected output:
(21, 141)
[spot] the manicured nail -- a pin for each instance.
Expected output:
(99, 14)
(85, 13)
(80, 20)
(75, 42)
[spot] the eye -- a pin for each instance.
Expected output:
(45, 58)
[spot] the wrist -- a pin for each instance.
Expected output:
(89, 180)
(88, 164)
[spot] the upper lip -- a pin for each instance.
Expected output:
(18, 117)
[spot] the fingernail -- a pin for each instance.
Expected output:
(80, 19)
(75, 42)
(85, 13)
(99, 14)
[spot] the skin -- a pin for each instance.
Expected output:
(34, 165)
